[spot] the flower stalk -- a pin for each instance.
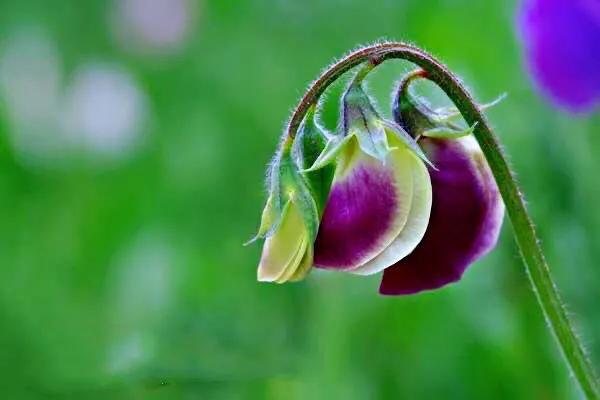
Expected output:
(523, 228)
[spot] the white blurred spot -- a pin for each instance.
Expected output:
(104, 109)
(143, 282)
(140, 293)
(129, 352)
(153, 25)
(101, 112)
(30, 78)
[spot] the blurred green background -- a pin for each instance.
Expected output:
(134, 136)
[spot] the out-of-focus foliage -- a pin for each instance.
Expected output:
(134, 136)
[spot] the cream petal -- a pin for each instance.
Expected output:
(294, 264)
(305, 266)
(280, 250)
(267, 221)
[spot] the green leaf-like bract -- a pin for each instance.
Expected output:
(309, 144)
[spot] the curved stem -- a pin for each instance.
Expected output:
(524, 231)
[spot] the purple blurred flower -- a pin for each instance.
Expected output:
(562, 45)
(154, 26)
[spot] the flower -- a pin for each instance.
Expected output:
(286, 223)
(378, 207)
(291, 216)
(561, 41)
(467, 210)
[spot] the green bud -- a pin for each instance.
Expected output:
(287, 184)
(374, 134)
(419, 119)
(290, 230)
(412, 113)
(295, 188)
(311, 140)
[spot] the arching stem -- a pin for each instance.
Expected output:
(524, 231)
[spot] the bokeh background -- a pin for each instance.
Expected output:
(134, 136)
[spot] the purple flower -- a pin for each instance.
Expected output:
(465, 221)
(562, 46)
(467, 209)
(380, 199)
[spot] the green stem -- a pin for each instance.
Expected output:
(524, 231)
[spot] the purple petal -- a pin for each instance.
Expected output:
(416, 224)
(367, 208)
(465, 220)
(562, 47)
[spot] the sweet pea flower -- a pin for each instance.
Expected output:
(291, 216)
(380, 198)
(467, 210)
(561, 41)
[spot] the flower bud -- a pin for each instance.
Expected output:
(291, 216)
(290, 222)
(467, 210)
(308, 145)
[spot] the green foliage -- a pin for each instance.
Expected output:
(128, 279)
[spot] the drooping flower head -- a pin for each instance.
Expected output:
(412, 197)
(561, 40)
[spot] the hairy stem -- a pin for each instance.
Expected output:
(524, 231)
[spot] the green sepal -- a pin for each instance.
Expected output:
(418, 119)
(272, 213)
(267, 220)
(412, 114)
(310, 142)
(295, 188)
(332, 149)
(357, 101)
(287, 184)
(360, 118)
(448, 114)
(445, 132)
(400, 134)
(373, 139)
